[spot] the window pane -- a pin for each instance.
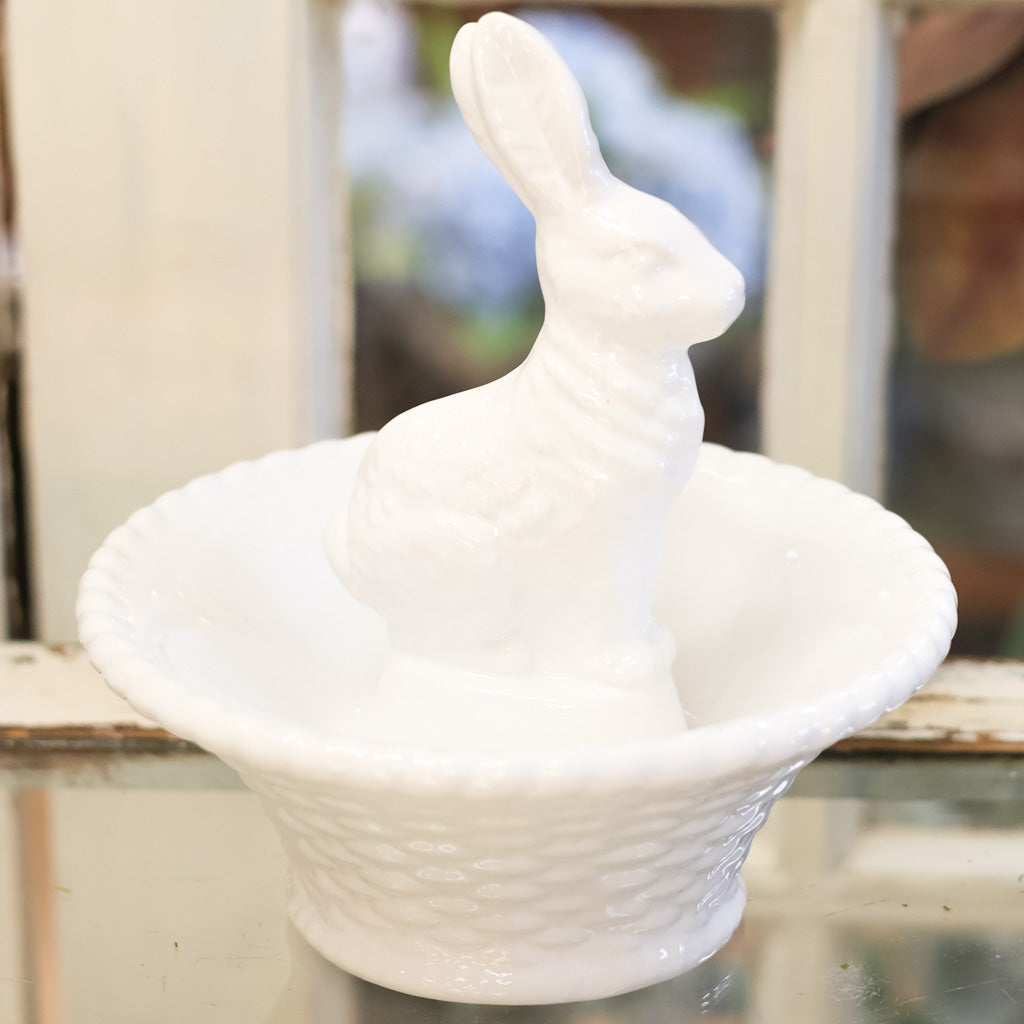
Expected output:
(447, 292)
(957, 455)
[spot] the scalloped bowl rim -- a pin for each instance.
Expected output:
(254, 741)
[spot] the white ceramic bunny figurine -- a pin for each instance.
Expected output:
(509, 535)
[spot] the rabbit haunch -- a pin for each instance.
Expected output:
(509, 535)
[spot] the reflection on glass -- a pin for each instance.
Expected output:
(169, 905)
(957, 457)
(891, 976)
(709, 994)
(447, 292)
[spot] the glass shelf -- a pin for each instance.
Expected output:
(884, 889)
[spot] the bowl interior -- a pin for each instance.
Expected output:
(781, 591)
(784, 590)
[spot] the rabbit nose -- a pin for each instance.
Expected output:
(734, 293)
(738, 293)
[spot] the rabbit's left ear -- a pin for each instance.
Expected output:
(533, 116)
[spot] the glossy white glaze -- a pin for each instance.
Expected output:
(479, 769)
(509, 535)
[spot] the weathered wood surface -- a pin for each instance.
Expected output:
(969, 706)
(61, 727)
(52, 699)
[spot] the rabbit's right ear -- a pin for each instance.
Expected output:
(464, 90)
(527, 113)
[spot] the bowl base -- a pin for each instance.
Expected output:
(601, 965)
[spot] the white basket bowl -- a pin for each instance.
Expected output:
(801, 612)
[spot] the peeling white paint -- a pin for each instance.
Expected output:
(43, 687)
(966, 702)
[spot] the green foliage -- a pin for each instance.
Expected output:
(436, 30)
(1012, 645)
(501, 338)
(745, 102)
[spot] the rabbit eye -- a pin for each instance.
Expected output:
(634, 254)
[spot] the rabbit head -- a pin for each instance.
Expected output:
(607, 254)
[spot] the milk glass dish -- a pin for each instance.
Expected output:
(800, 612)
(517, 751)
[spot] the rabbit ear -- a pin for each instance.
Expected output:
(464, 89)
(527, 113)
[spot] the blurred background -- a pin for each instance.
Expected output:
(446, 294)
